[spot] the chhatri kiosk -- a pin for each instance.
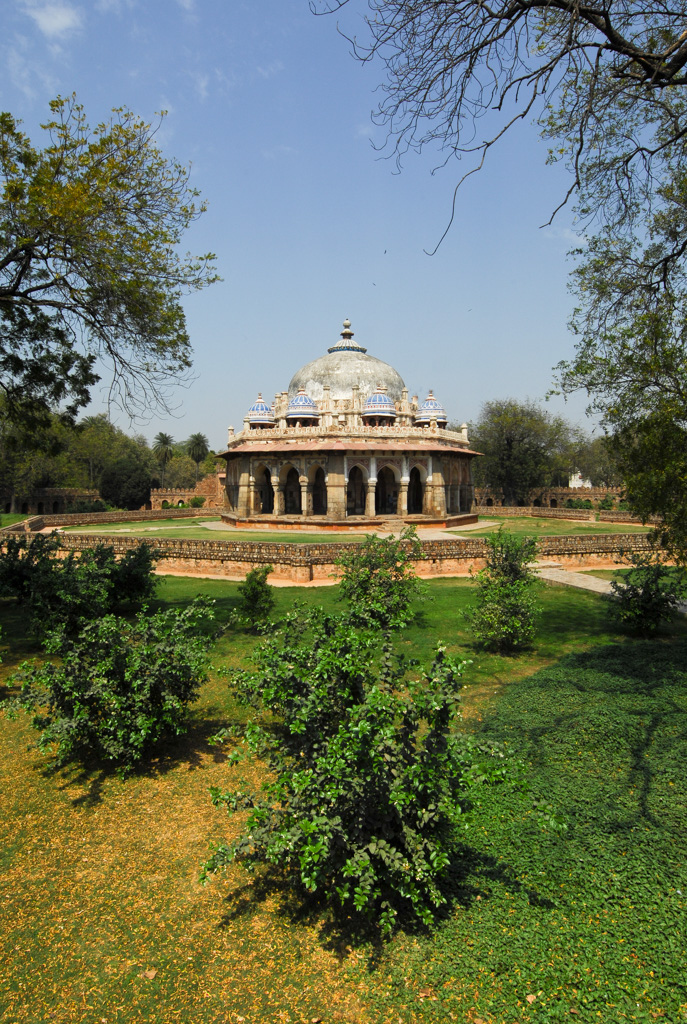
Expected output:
(345, 445)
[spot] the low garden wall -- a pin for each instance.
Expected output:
(37, 523)
(585, 514)
(303, 563)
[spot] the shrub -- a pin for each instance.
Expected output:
(368, 771)
(84, 506)
(197, 501)
(119, 686)
(20, 561)
(66, 592)
(256, 597)
(134, 577)
(579, 503)
(607, 503)
(505, 616)
(165, 504)
(378, 581)
(648, 594)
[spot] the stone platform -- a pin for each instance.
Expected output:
(364, 524)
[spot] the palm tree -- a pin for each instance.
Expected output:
(163, 450)
(197, 447)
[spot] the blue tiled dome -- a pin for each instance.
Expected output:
(431, 410)
(379, 404)
(302, 407)
(260, 413)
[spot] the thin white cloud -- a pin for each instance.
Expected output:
(271, 69)
(54, 19)
(188, 5)
(25, 73)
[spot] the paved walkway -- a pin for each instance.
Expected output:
(568, 578)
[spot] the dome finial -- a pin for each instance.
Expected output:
(347, 344)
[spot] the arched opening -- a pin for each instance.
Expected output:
(356, 492)
(8, 507)
(536, 503)
(264, 492)
(386, 495)
(292, 493)
(319, 494)
(415, 492)
(40, 508)
(55, 507)
(489, 502)
(554, 503)
(24, 507)
(180, 503)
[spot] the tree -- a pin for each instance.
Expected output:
(163, 450)
(368, 773)
(607, 82)
(595, 462)
(119, 686)
(524, 447)
(89, 264)
(126, 484)
(181, 471)
(378, 581)
(198, 447)
(504, 619)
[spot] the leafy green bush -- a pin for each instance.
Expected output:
(607, 503)
(84, 506)
(256, 597)
(579, 503)
(648, 594)
(197, 501)
(368, 771)
(378, 581)
(119, 686)
(505, 617)
(20, 561)
(64, 592)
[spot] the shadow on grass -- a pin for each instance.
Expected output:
(192, 750)
(470, 876)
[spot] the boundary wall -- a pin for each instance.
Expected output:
(303, 563)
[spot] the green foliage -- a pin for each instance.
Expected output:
(579, 503)
(256, 597)
(119, 686)
(197, 501)
(126, 484)
(368, 771)
(85, 506)
(524, 448)
(91, 227)
(607, 503)
(378, 581)
(505, 616)
(21, 560)
(648, 594)
(62, 593)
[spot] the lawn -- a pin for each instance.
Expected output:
(10, 518)
(103, 918)
(195, 530)
(526, 526)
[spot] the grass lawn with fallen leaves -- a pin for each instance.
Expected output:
(103, 918)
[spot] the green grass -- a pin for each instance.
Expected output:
(99, 877)
(192, 530)
(10, 518)
(526, 526)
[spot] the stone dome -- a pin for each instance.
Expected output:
(431, 409)
(345, 365)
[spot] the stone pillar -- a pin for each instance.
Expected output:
(370, 498)
(438, 493)
(336, 487)
(306, 498)
(402, 509)
(279, 501)
(244, 500)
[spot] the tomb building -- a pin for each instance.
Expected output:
(346, 444)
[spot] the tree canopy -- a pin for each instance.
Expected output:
(524, 447)
(89, 261)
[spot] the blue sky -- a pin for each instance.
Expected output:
(308, 223)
